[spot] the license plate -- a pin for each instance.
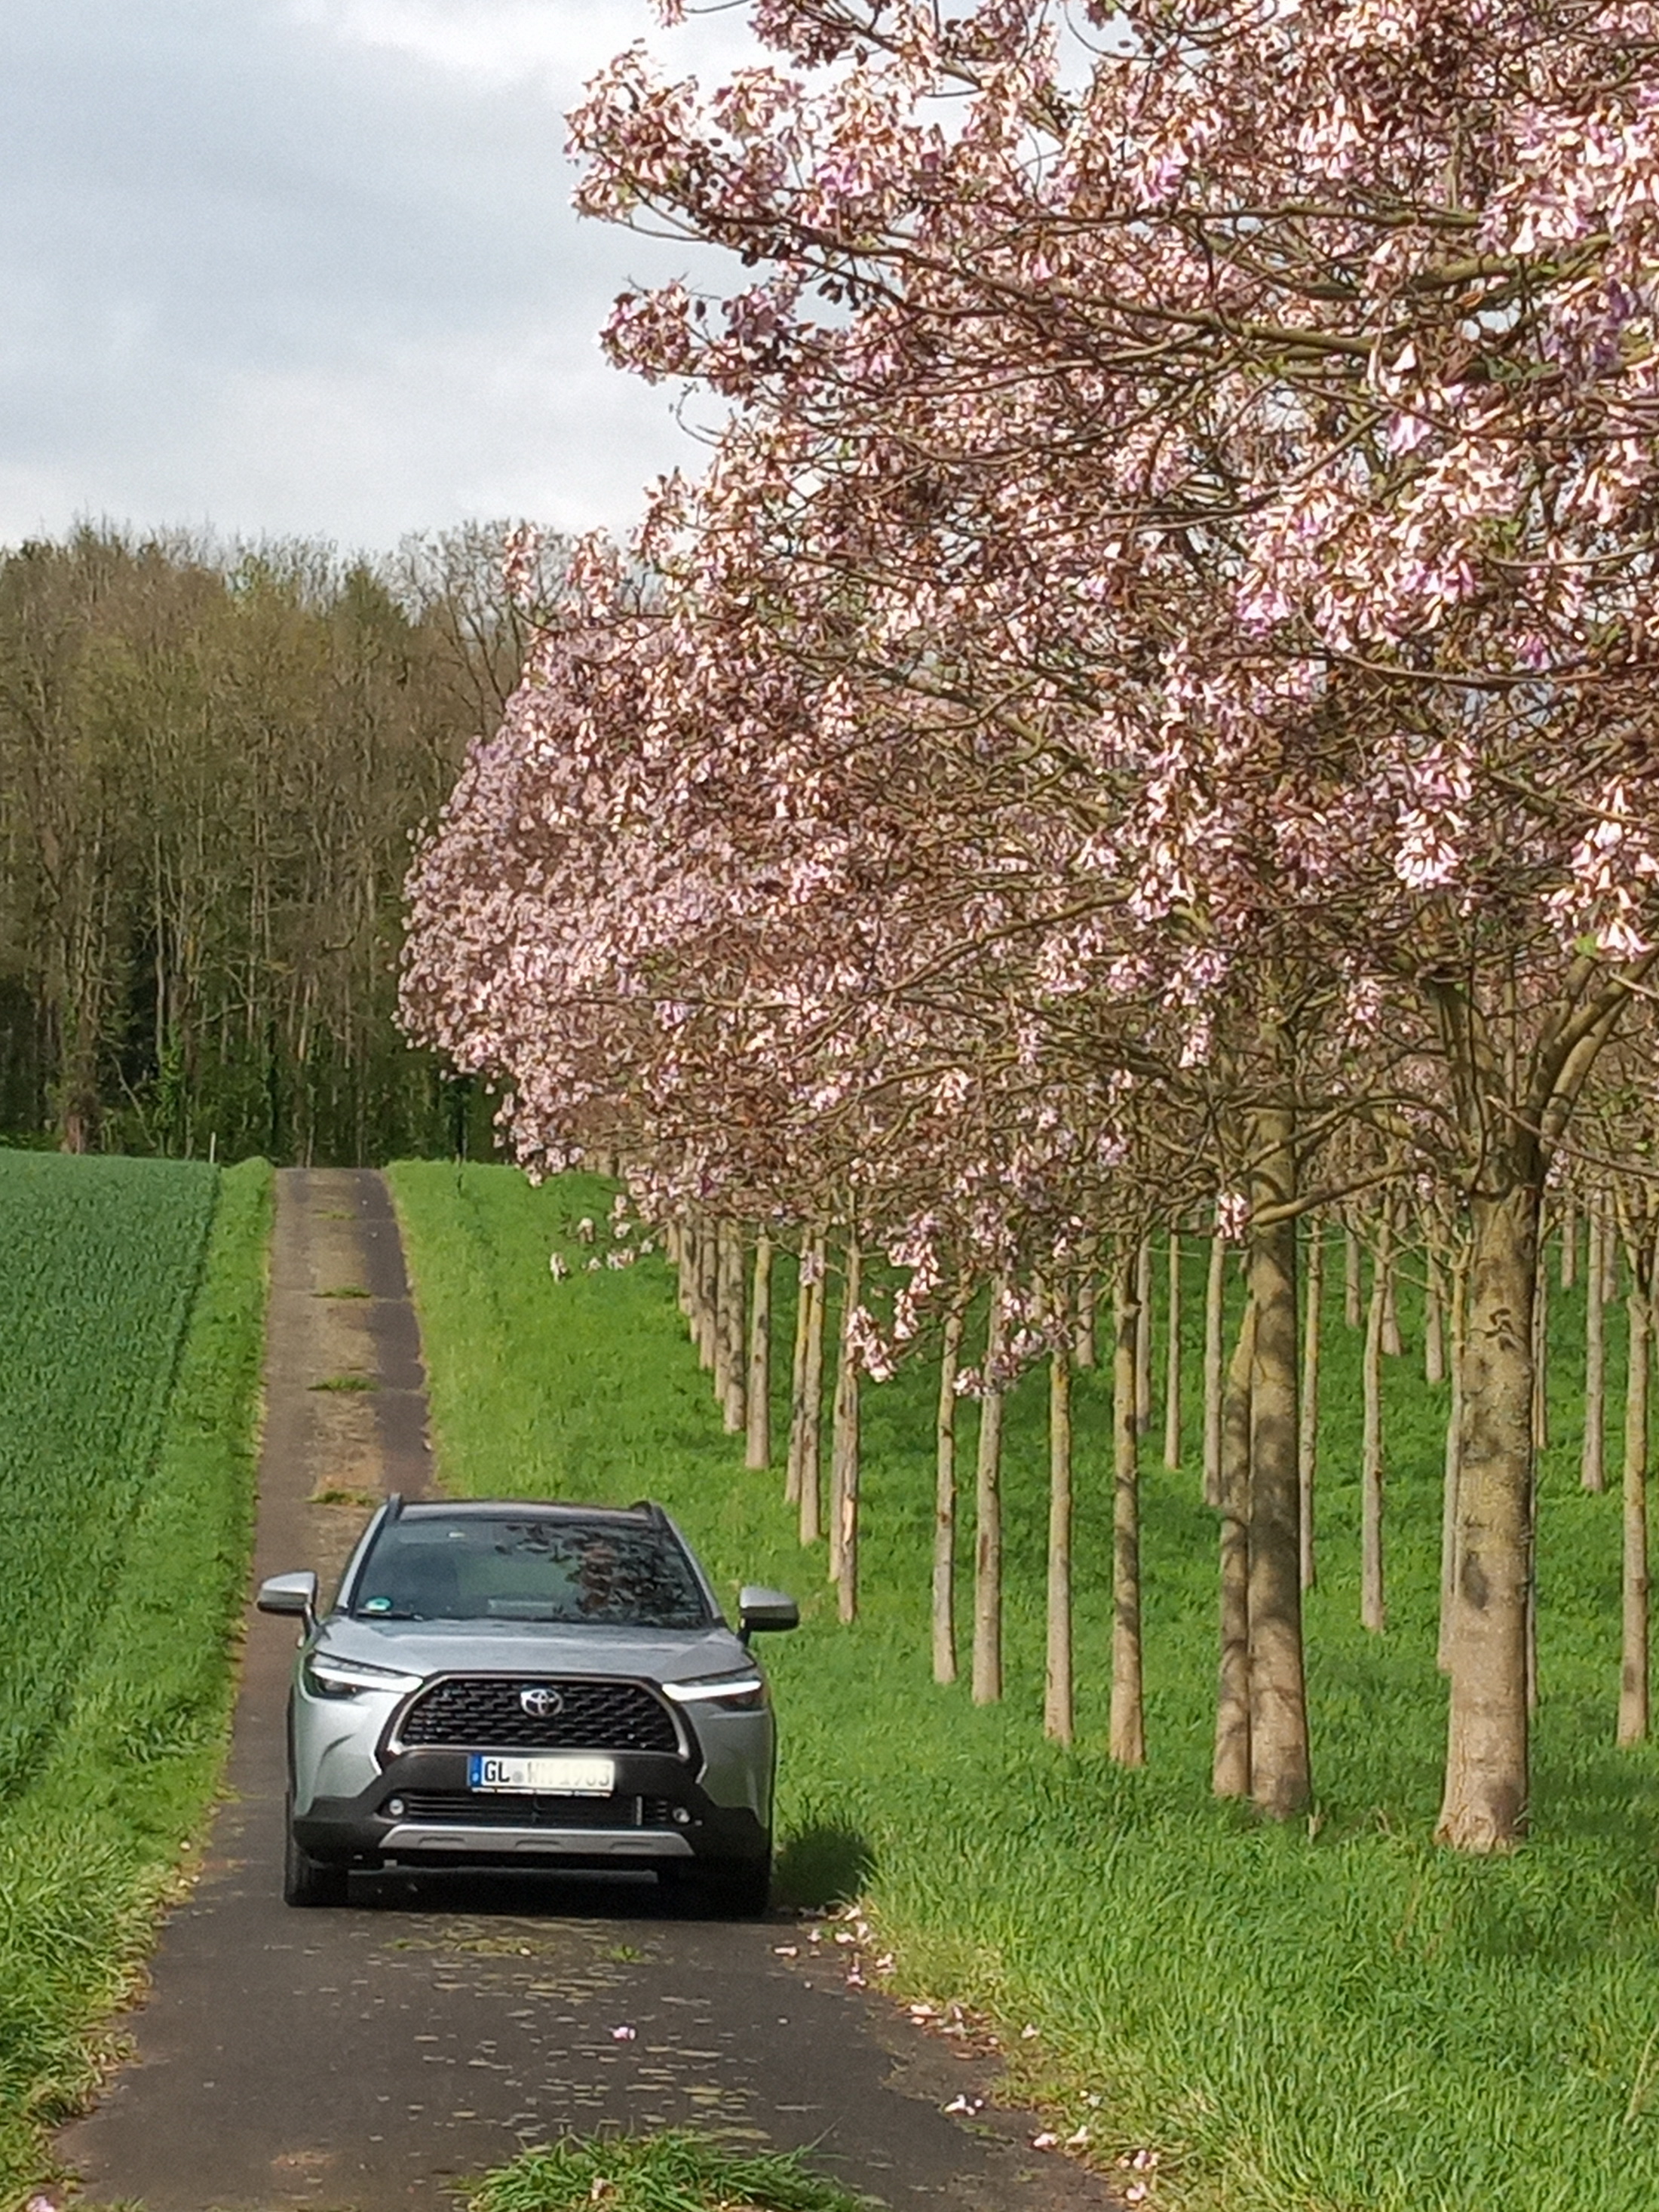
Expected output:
(560, 1778)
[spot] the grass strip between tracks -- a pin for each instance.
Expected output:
(1334, 2017)
(674, 2171)
(92, 1835)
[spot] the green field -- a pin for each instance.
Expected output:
(132, 1305)
(1335, 2017)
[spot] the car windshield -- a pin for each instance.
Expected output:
(479, 1567)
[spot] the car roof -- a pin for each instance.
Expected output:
(645, 1514)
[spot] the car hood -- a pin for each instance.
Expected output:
(516, 1646)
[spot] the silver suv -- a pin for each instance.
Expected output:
(530, 1686)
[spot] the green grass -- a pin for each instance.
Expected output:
(133, 1297)
(675, 2171)
(1322, 2019)
(101, 1262)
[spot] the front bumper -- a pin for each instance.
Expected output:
(661, 1815)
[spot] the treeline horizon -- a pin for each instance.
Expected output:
(213, 760)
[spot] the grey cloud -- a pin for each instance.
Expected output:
(258, 274)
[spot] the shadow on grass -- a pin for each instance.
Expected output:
(821, 1867)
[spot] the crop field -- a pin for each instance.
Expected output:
(102, 1260)
(1337, 2017)
(131, 1299)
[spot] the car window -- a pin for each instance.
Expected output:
(478, 1568)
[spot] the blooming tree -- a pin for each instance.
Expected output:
(1240, 418)
(1159, 656)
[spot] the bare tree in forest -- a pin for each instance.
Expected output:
(212, 762)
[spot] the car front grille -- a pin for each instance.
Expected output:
(476, 1713)
(472, 1808)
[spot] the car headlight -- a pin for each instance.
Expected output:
(326, 1675)
(742, 1692)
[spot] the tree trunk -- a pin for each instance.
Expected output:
(1307, 1440)
(1569, 1240)
(1281, 1774)
(1592, 1463)
(1088, 1298)
(1058, 1718)
(1434, 1324)
(708, 1248)
(988, 1514)
(758, 1441)
(844, 1445)
(1393, 1345)
(691, 1281)
(691, 1285)
(1172, 1356)
(1230, 1773)
(1128, 1741)
(1487, 1767)
(1144, 1336)
(1541, 1368)
(1531, 1589)
(945, 1491)
(729, 1356)
(812, 1508)
(1634, 1669)
(1351, 1305)
(1448, 1517)
(1373, 1610)
(798, 1377)
(1215, 1288)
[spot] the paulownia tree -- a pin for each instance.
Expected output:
(1242, 422)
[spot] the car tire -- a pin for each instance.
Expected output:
(307, 1880)
(736, 1889)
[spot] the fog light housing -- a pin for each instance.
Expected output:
(682, 1816)
(394, 1805)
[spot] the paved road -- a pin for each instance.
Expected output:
(373, 2058)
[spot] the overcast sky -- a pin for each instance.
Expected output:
(310, 266)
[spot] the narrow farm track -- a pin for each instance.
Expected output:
(374, 2057)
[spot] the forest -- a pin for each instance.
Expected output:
(212, 761)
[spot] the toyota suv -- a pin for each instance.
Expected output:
(507, 1683)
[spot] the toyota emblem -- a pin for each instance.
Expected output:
(539, 1702)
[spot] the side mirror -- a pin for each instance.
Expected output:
(763, 1611)
(290, 1593)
